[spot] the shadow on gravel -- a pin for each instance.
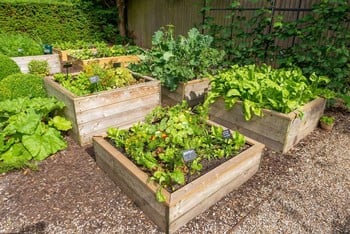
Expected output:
(341, 227)
(37, 228)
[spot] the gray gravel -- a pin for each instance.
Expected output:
(306, 190)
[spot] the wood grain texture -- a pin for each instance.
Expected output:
(276, 130)
(123, 60)
(192, 91)
(92, 115)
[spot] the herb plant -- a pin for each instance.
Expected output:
(283, 90)
(77, 45)
(329, 120)
(105, 79)
(179, 59)
(158, 145)
(30, 131)
(39, 67)
(103, 50)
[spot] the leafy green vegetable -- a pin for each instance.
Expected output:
(25, 135)
(158, 145)
(60, 123)
(103, 50)
(283, 90)
(179, 59)
(108, 78)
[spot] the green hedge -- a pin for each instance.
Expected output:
(7, 66)
(49, 22)
(22, 85)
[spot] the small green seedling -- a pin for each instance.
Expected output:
(329, 120)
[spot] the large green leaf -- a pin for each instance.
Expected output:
(17, 154)
(42, 146)
(60, 123)
(24, 122)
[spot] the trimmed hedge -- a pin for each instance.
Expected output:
(49, 22)
(22, 85)
(7, 66)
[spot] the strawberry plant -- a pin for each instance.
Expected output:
(30, 131)
(283, 90)
(173, 142)
(179, 59)
(95, 78)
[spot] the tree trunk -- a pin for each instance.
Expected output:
(121, 16)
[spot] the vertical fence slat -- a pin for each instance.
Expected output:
(146, 17)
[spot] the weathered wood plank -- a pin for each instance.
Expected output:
(122, 61)
(192, 91)
(276, 130)
(92, 114)
(184, 204)
(134, 182)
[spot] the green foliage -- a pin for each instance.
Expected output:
(283, 90)
(25, 136)
(50, 22)
(16, 44)
(322, 40)
(39, 67)
(179, 59)
(77, 45)
(158, 145)
(102, 50)
(108, 78)
(21, 85)
(7, 66)
(329, 120)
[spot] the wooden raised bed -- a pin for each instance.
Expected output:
(63, 54)
(187, 202)
(121, 61)
(93, 114)
(52, 59)
(192, 91)
(276, 130)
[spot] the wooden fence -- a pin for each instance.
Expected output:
(146, 17)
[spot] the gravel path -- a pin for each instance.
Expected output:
(306, 190)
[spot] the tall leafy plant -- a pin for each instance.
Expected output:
(30, 131)
(173, 59)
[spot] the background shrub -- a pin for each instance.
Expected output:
(49, 21)
(39, 67)
(21, 85)
(16, 44)
(7, 66)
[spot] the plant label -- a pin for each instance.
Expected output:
(67, 65)
(226, 134)
(20, 50)
(189, 155)
(94, 79)
(115, 65)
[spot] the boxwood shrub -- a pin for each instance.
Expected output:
(7, 66)
(22, 85)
